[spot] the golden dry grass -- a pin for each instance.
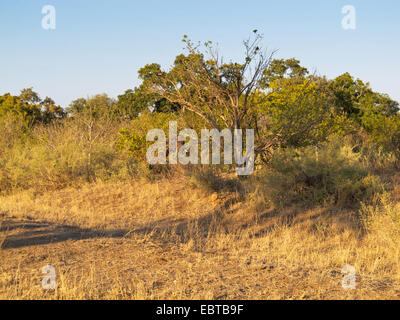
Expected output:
(168, 240)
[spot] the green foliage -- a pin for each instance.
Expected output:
(200, 83)
(384, 131)
(76, 106)
(348, 92)
(298, 112)
(95, 107)
(29, 109)
(382, 125)
(131, 103)
(14, 107)
(50, 111)
(332, 173)
(150, 74)
(132, 140)
(357, 99)
(275, 97)
(280, 69)
(376, 113)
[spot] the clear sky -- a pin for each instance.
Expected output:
(98, 45)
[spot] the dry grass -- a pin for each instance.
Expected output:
(168, 240)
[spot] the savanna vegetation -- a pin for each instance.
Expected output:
(77, 192)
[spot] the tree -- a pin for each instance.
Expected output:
(76, 106)
(358, 101)
(280, 69)
(133, 102)
(220, 93)
(50, 110)
(29, 96)
(374, 112)
(298, 112)
(97, 106)
(29, 108)
(95, 118)
(14, 106)
(153, 101)
(127, 105)
(274, 97)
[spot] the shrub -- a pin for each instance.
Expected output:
(132, 140)
(60, 154)
(384, 132)
(332, 173)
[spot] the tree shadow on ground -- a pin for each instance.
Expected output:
(294, 216)
(167, 230)
(26, 233)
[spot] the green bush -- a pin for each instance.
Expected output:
(384, 132)
(132, 140)
(332, 173)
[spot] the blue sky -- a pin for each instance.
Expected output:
(98, 45)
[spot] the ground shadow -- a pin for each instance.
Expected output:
(167, 230)
(30, 233)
